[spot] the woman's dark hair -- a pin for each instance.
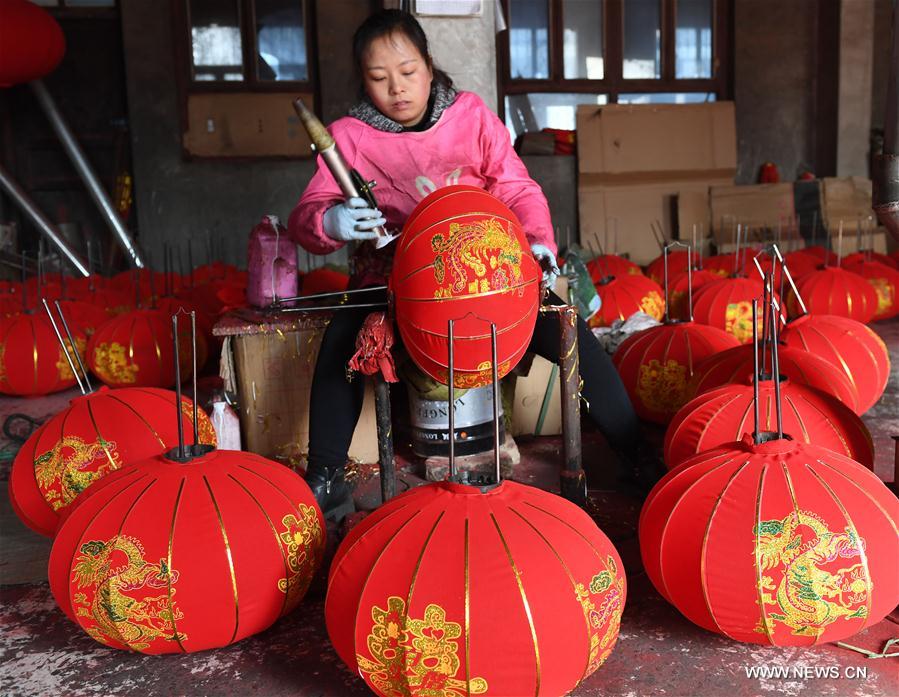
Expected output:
(388, 22)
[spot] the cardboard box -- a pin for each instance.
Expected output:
(530, 392)
(768, 207)
(245, 124)
(272, 373)
(636, 161)
(846, 200)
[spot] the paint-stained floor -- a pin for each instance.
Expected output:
(659, 652)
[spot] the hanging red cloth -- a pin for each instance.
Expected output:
(373, 345)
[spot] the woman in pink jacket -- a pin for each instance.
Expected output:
(412, 133)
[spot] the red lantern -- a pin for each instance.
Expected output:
(679, 288)
(32, 361)
(800, 367)
(445, 590)
(725, 414)
(97, 434)
(677, 263)
(722, 265)
(781, 543)
(85, 316)
(464, 256)
(850, 346)
(870, 255)
(885, 282)
(835, 291)
(657, 364)
(162, 557)
(324, 280)
(135, 350)
(113, 302)
(31, 42)
(611, 265)
(727, 304)
(622, 296)
(10, 304)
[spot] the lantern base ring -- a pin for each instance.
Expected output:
(484, 482)
(191, 452)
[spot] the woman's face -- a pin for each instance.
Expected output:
(397, 78)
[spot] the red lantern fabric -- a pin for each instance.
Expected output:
(801, 367)
(161, 557)
(32, 361)
(10, 304)
(31, 42)
(782, 543)
(726, 413)
(657, 364)
(85, 316)
(611, 265)
(835, 291)
(850, 346)
(870, 255)
(722, 265)
(677, 263)
(885, 282)
(324, 280)
(447, 590)
(113, 302)
(679, 288)
(97, 434)
(622, 296)
(727, 304)
(464, 256)
(135, 350)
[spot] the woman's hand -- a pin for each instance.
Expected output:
(352, 220)
(547, 261)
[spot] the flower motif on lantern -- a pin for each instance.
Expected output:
(112, 365)
(303, 540)
(808, 595)
(607, 589)
(468, 246)
(662, 387)
(653, 305)
(738, 321)
(62, 365)
(884, 291)
(105, 573)
(62, 472)
(425, 647)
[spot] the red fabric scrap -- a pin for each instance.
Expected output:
(373, 345)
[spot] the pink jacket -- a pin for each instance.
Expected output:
(467, 145)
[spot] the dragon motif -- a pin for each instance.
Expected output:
(205, 430)
(71, 466)
(492, 253)
(111, 364)
(662, 387)
(607, 589)
(304, 544)
(415, 657)
(119, 586)
(796, 552)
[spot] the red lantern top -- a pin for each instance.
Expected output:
(31, 42)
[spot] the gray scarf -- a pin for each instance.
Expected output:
(367, 112)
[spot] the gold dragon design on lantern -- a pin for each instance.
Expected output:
(415, 656)
(485, 248)
(662, 387)
(806, 582)
(111, 364)
(205, 429)
(303, 543)
(120, 600)
(71, 466)
(602, 601)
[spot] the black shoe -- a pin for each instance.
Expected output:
(334, 495)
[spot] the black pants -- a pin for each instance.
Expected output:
(336, 402)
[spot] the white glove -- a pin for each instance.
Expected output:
(352, 220)
(547, 261)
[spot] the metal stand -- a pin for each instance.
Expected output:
(385, 438)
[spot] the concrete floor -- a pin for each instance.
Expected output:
(658, 651)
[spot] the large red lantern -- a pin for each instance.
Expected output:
(835, 291)
(850, 346)
(781, 543)
(163, 557)
(135, 350)
(605, 265)
(679, 290)
(885, 282)
(800, 367)
(113, 302)
(31, 42)
(463, 256)
(870, 255)
(727, 304)
(677, 263)
(657, 364)
(726, 413)
(32, 361)
(445, 590)
(622, 296)
(97, 434)
(86, 316)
